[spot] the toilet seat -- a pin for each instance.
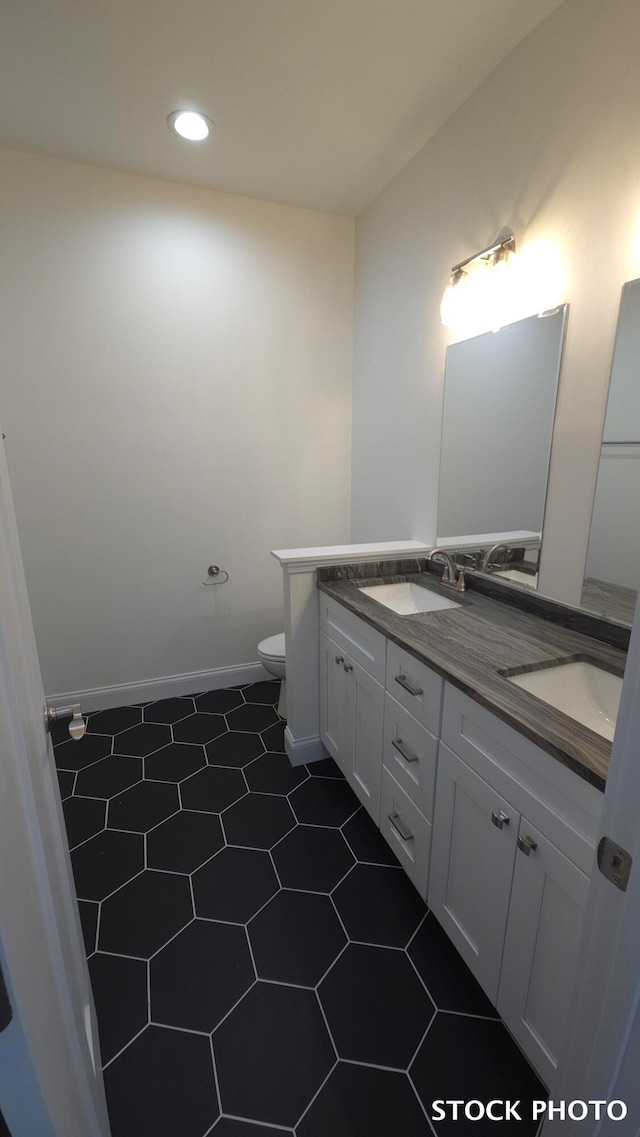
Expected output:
(273, 648)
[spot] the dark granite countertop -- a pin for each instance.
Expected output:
(471, 645)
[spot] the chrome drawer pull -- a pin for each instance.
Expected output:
(348, 666)
(527, 845)
(400, 827)
(404, 682)
(403, 749)
(339, 659)
(500, 819)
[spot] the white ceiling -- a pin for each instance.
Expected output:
(316, 102)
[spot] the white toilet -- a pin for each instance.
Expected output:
(272, 655)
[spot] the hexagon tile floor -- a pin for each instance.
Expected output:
(260, 963)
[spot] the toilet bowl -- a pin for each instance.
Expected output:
(272, 655)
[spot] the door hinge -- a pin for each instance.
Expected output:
(614, 863)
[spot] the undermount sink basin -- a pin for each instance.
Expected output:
(582, 690)
(406, 598)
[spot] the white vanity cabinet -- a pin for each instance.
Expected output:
(501, 842)
(352, 668)
(512, 853)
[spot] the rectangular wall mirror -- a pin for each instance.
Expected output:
(499, 406)
(612, 572)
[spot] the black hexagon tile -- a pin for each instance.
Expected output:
(376, 1007)
(66, 782)
(143, 916)
(184, 842)
(89, 920)
(379, 905)
(445, 974)
(274, 774)
(109, 777)
(175, 762)
(83, 818)
(273, 737)
(296, 938)
(234, 885)
(464, 1058)
(366, 842)
(358, 1101)
(231, 1127)
(272, 1054)
(143, 806)
(213, 789)
(312, 858)
(324, 768)
(236, 748)
(257, 821)
(114, 721)
(106, 862)
(169, 710)
(267, 692)
(120, 991)
(144, 739)
(324, 801)
(75, 754)
(199, 728)
(200, 975)
(162, 1085)
(219, 702)
(252, 717)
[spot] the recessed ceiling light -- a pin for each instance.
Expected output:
(190, 124)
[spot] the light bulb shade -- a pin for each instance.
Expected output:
(454, 300)
(192, 125)
(448, 305)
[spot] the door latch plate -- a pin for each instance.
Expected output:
(614, 863)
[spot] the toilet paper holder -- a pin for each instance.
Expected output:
(215, 571)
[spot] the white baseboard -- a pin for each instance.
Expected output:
(303, 750)
(103, 698)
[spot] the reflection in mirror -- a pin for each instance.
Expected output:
(612, 573)
(499, 406)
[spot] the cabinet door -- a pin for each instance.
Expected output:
(543, 936)
(365, 712)
(474, 844)
(333, 699)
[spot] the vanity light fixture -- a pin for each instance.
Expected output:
(192, 125)
(466, 288)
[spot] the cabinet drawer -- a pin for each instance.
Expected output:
(409, 753)
(406, 830)
(415, 686)
(559, 802)
(362, 642)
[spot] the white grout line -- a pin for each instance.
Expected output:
(428, 1028)
(125, 1047)
(317, 1093)
(232, 1009)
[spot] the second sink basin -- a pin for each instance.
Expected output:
(406, 598)
(582, 690)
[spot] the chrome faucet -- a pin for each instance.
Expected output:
(449, 577)
(484, 564)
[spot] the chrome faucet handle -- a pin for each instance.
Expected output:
(461, 584)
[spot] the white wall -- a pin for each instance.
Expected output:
(550, 146)
(175, 392)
